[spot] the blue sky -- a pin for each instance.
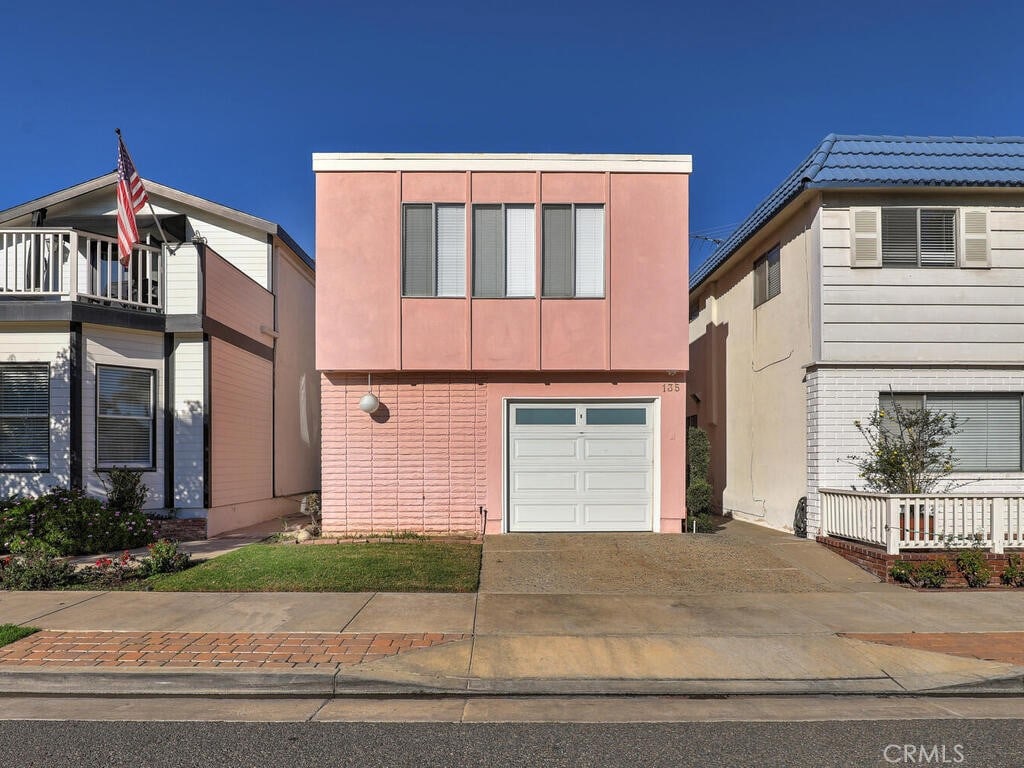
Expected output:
(228, 100)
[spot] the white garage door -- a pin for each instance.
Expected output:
(581, 466)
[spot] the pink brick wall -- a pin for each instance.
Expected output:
(420, 466)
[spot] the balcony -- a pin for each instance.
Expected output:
(64, 264)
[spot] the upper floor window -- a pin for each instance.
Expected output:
(573, 251)
(504, 251)
(25, 416)
(125, 417)
(989, 426)
(433, 249)
(907, 236)
(767, 277)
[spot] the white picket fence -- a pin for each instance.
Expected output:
(928, 521)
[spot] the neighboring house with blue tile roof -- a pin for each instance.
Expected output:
(881, 263)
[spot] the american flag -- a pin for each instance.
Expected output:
(131, 196)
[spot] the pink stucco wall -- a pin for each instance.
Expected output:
(363, 324)
(434, 456)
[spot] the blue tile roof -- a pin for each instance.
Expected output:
(883, 161)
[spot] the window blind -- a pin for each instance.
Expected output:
(25, 417)
(589, 250)
(938, 237)
(899, 237)
(488, 254)
(557, 276)
(923, 237)
(124, 417)
(521, 250)
(451, 250)
(417, 250)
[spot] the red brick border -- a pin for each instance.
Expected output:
(236, 650)
(875, 560)
(1007, 647)
(188, 529)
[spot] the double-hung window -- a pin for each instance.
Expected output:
(504, 251)
(433, 249)
(125, 417)
(767, 277)
(919, 237)
(573, 251)
(988, 424)
(25, 416)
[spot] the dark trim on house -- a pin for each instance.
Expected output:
(154, 465)
(28, 310)
(201, 276)
(184, 324)
(207, 421)
(76, 361)
(296, 248)
(169, 420)
(238, 339)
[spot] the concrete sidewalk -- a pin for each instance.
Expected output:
(691, 635)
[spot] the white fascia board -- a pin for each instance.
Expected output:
(373, 161)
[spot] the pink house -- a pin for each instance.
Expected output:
(521, 324)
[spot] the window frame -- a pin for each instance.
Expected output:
(1019, 396)
(766, 259)
(572, 249)
(955, 210)
(433, 249)
(99, 465)
(503, 239)
(19, 469)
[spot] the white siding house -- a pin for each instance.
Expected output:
(170, 366)
(902, 264)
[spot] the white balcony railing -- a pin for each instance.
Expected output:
(928, 521)
(75, 265)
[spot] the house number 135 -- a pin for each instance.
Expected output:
(670, 387)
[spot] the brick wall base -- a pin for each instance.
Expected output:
(876, 561)
(190, 529)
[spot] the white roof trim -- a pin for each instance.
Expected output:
(373, 161)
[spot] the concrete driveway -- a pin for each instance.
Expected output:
(739, 558)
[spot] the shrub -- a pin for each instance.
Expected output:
(933, 573)
(72, 523)
(125, 490)
(698, 457)
(35, 565)
(164, 557)
(109, 571)
(1013, 574)
(908, 449)
(975, 569)
(704, 523)
(928, 573)
(311, 508)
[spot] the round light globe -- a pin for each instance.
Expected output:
(369, 403)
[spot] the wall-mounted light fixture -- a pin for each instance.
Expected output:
(369, 403)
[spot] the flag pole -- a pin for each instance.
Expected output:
(152, 210)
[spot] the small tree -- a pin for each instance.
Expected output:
(126, 491)
(698, 455)
(909, 449)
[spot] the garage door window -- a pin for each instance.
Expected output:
(616, 415)
(545, 416)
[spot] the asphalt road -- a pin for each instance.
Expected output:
(987, 743)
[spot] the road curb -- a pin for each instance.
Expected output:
(332, 684)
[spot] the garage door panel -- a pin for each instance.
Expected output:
(524, 480)
(533, 514)
(616, 448)
(545, 448)
(635, 514)
(612, 482)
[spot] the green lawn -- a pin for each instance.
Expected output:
(9, 633)
(415, 566)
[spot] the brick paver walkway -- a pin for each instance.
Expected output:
(1007, 647)
(205, 649)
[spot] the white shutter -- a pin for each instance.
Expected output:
(520, 250)
(974, 238)
(865, 237)
(589, 251)
(451, 250)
